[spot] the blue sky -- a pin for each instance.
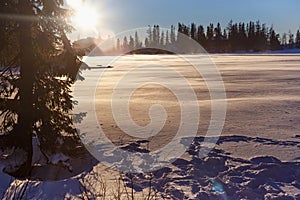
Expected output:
(121, 15)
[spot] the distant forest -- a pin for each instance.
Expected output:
(236, 37)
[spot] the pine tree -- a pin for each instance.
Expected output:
(150, 36)
(162, 39)
(210, 37)
(291, 39)
(125, 44)
(131, 43)
(156, 35)
(146, 42)
(210, 32)
(257, 29)
(186, 30)
(201, 38)
(118, 44)
(225, 37)
(180, 32)
(233, 36)
(284, 39)
(218, 39)
(193, 31)
(260, 38)
(137, 43)
(264, 37)
(251, 36)
(173, 35)
(218, 32)
(298, 38)
(274, 43)
(34, 100)
(167, 38)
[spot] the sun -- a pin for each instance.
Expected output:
(85, 15)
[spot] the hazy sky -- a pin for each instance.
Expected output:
(121, 15)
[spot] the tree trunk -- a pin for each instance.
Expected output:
(23, 130)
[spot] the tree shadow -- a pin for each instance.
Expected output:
(220, 175)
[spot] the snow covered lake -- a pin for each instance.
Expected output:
(262, 94)
(256, 156)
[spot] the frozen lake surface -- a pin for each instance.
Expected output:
(262, 99)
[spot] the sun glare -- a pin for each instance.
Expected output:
(85, 16)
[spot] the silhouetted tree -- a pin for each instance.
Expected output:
(183, 32)
(260, 39)
(180, 33)
(186, 30)
(147, 42)
(167, 38)
(298, 38)
(242, 37)
(217, 45)
(118, 44)
(274, 42)
(162, 39)
(233, 36)
(201, 38)
(210, 31)
(137, 42)
(131, 43)
(291, 39)
(173, 35)
(150, 36)
(218, 32)
(284, 39)
(125, 44)
(210, 36)
(155, 33)
(193, 31)
(225, 36)
(35, 101)
(251, 36)
(264, 37)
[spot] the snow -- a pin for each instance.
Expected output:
(256, 157)
(5, 181)
(288, 51)
(16, 158)
(60, 158)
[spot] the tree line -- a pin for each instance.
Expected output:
(236, 37)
